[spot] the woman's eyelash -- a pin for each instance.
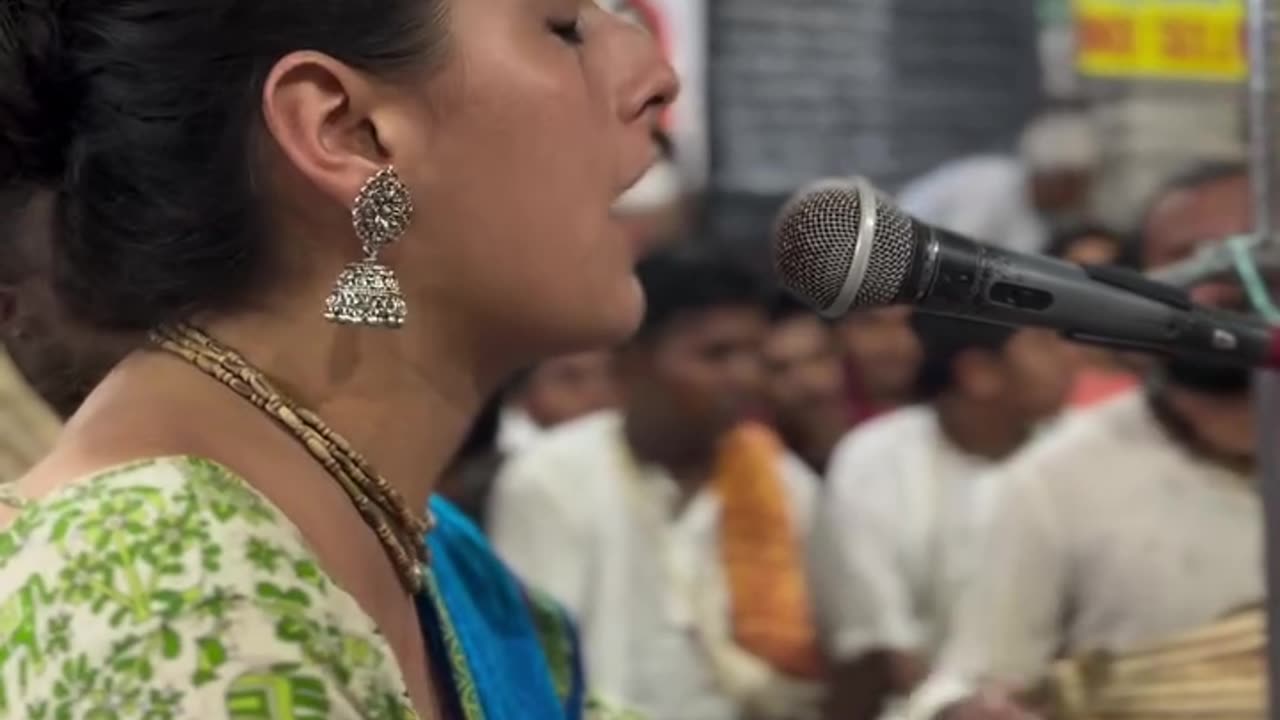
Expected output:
(569, 31)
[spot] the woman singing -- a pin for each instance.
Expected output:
(342, 223)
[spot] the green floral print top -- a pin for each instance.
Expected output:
(170, 589)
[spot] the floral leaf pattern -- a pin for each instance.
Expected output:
(281, 691)
(169, 589)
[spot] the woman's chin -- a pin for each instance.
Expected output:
(610, 321)
(616, 320)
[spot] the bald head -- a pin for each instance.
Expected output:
(1189, 215)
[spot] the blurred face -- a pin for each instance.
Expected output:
(805, 387)
(883, 350)
(1037, 370)
(568, 387)
(803, 372)
(701, 375)
(537, 121)
(1183, 222)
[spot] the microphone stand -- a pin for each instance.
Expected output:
(1262, 115)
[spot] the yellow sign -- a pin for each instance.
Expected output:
(1176, 39)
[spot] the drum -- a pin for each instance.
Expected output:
(1214, 673)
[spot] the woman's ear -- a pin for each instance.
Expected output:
(320, 113)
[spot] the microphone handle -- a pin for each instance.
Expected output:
(1100, 306)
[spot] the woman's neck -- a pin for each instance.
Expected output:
(402, 398)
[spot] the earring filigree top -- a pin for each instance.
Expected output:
(367, 292)
(382, 211)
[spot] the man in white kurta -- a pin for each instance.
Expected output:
(621, 516)
(899, 517)
(1136, 522)
(894, 534)
(580, 518)
(1108, 535)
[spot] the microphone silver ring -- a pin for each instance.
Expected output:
(861, 249)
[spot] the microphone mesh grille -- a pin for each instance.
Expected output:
(813, 243)
(816, 236)
(892, 251)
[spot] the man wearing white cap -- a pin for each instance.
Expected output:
(1014, 201)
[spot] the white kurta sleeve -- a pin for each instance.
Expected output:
(1008, 624)
(861, 590)
(537, 530)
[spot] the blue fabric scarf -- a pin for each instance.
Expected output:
(520, 655)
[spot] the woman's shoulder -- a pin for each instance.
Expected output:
(161, 504)
(170, 588)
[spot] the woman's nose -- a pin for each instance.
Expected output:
(651, 83)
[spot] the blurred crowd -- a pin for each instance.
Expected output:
(754, 512)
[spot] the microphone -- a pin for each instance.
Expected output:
(839, 245)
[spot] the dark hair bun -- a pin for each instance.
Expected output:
(35, 118)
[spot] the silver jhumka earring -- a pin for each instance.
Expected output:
(367, 292)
